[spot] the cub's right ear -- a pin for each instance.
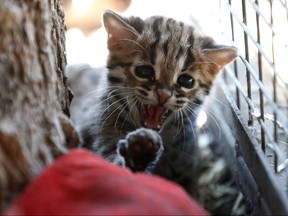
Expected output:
(117, 27)
(220, 56)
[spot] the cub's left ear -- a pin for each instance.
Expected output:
(219, 57)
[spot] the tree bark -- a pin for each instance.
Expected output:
(33, 92)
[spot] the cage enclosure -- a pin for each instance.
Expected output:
(247, 109)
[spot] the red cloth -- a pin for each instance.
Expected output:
(81, 183)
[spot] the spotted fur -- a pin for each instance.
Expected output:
(159, 71)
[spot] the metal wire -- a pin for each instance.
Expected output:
(268, 108)
(260, 71)
(249, 34)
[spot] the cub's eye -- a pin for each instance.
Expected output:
(145, 71)
(186, 81)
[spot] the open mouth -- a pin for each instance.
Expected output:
(153, 116)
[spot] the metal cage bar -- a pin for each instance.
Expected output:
(258, 83)
(251, 72)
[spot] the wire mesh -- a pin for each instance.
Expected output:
(258, 80)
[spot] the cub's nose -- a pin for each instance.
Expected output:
(163, 95)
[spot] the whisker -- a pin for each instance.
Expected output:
(213, 117)
(117, 101)
(109, 98)
(127, 104)
(184, 132)
(176, 120)
(180, 123)
(191, 111)
(131, 111)
(92, 92)
(109, 88)
(219, 101)
(128, 114)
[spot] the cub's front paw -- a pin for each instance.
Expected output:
(141, 149)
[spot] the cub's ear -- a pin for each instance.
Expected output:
(220, 56)
(118, 27)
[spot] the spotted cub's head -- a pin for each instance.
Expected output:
(165, 66)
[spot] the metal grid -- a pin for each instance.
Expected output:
(258, 80)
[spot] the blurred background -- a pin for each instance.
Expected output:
(86, 39)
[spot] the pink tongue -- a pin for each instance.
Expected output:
(154, 116)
